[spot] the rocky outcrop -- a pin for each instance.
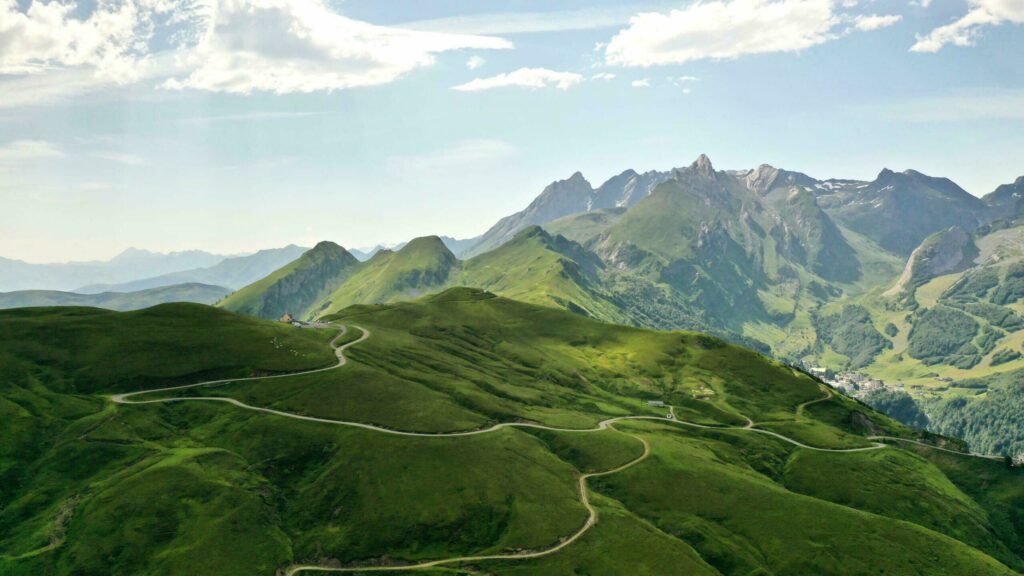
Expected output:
(951, 250)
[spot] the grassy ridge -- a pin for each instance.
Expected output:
(295, 287)
(94, 350)
(204, 488)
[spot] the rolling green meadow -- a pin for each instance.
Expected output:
(199, 486)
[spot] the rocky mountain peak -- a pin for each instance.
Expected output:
(761, 179)
(702, 165)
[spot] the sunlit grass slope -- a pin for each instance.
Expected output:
(89, 487)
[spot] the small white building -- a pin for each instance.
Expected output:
(656, 403)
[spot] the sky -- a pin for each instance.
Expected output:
(235, 125)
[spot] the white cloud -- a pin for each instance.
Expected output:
(47, 34)
(20, 151)
(285, 46)
(524, 77)
(684, 82)
(603, 76)
(722, 29)
(248, 117)
(61, 84)
(526, 22)
(475, 62)
(641, 83)
(869, 22)
(236, 46)
(122, 158)
(965, 31)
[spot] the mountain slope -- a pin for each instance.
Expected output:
(83, 476)
(1007, 201)
(567, 197)
(560, 198)
(539, 268)
(422, 266)
(234, 272)
(944, 252)
(295, 287)
(900, 210)
(198, 293)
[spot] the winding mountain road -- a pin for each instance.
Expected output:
(340, 353)
(581, 486)
(126, 398)
(939, 448)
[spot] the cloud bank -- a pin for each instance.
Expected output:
(234, 46)
(524, 77)
(965, 31)
(726, 29)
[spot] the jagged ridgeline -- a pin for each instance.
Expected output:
(757, 470)
(763, 257)
(906, 278)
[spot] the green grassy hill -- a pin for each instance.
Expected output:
(422, 266)
(204, 487)
(297, 286)
(539, 268)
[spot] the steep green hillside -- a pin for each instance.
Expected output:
(539, 268)
(752, 476)
(122, 301)
(422, 266)
(296, 287)
(751, 257)
(997, 402)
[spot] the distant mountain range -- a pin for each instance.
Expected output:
(129, 265)
(456, 246)
(232, 272)
(198, 293)
(817, 272)
(906, 278)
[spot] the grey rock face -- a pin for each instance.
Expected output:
(945, 252)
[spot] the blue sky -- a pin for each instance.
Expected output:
(233, 125)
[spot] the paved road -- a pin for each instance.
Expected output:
(581, 483)
(587, 525)
(940, 448)
(339, 353)
(827, 396)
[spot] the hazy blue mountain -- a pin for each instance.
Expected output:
(570, 196)
(898, 210)
(131, 264)
(1007, 201)
(296, 286)
(364, 254)
(459, 247)
(198, 293)
(233, 272)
